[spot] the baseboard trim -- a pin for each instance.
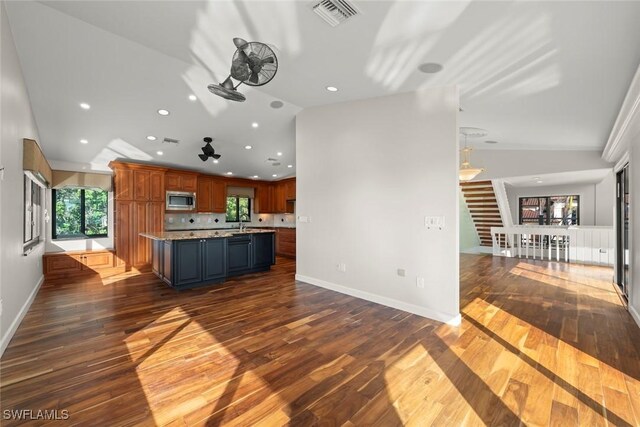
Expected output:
(453, 320)
(6, 339)
(634, 314)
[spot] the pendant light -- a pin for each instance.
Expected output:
(468, 172)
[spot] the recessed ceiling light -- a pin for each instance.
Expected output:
(276, 104)
(192, 98)
(491, 142)
(215, 160)
(289, 166)
(255, 176)
(85, 106)
(248, 147)
(229, 173)
(151, 138)
(539, 182)
(536, 178)
(279, 153)
(254, 125)
(332, 88)
(84, 141)
(160, 153)
(274, 175)
(163, 112)
(430, 67)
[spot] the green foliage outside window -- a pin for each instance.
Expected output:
(80, 213)
(238, 208)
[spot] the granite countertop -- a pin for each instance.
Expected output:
(202, 234)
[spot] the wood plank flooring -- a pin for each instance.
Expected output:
(540, 344)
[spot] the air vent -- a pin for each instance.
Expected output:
(334, 12)
(274, 162)
(170, 141)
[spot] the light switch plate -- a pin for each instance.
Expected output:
(434, 222)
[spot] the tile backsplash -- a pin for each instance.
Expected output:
(192, 221)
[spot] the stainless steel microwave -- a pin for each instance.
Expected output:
(181, 201)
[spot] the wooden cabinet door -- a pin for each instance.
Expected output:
(214, 259)
(141, 185)
(219, 196)
(96, 261)
(123, 231)
(155, 212)
(290, 189)
(123, 184)
(172, 181)
(188, 262)
(141, 249)
(62, 263)
(204, 197)
(281, 201)
(156, 186)
(260, 199)
(189, 183)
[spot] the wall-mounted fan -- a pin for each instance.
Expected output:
(253, 63)
(208, 150)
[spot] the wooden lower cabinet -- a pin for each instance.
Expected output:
(286, 242)
(72, 263)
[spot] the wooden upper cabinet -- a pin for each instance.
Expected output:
(141, 185)
(156, 186)
(290, 189)
(179, 181)
(280, 198)
(123, 184)
(204, 199)
(219, 196)
(172, 181)
(190, 183)
(262, 200)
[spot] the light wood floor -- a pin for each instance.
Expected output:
(540, 344)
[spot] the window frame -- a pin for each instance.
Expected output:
(83, 219)
(35, 216)
(547, 217)
(237, 217)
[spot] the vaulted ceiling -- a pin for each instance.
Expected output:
(537, 75)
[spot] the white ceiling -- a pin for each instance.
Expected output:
(592, 176)
(537, 75)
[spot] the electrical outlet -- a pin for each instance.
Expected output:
(420, 282)
(434, 222)
(401, 272)
(304, 219)
(341, 267)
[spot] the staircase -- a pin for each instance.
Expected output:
(482, 203)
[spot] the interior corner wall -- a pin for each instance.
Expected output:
(468, 235)
(369, 172)
(20, 276)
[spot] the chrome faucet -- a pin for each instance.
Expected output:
(241, 226)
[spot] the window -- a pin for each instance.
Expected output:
(32, 212)
(550, 210)
(79, 213)
(238, 208)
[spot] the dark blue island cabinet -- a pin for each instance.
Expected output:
(196, 262)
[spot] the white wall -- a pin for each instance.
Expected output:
(513, 163)
(369, 172)
(605, 200)
(20, 276)
(634, 291)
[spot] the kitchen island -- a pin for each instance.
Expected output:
(188, 259)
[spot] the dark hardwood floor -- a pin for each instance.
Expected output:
(540, 344)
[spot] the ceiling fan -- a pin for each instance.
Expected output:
(208, 150)
(253, 63)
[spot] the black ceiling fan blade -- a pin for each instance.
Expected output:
(216, 156)
(203, 157)
(269, 60)
(254, 77)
